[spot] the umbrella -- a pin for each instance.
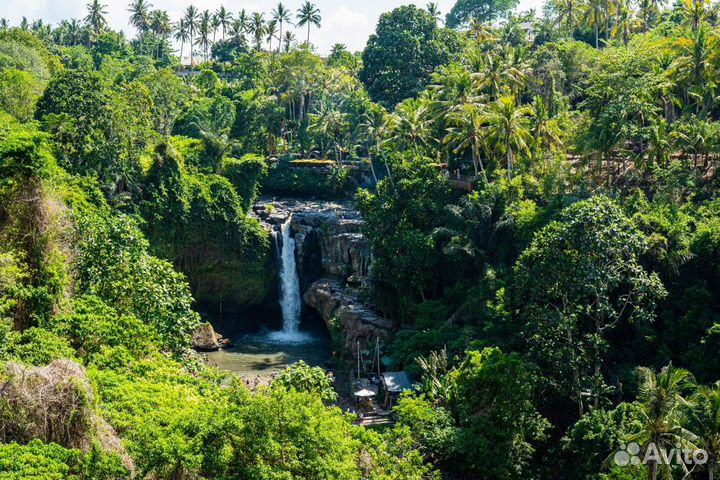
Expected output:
(364, 393)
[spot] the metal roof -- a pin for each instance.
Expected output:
(396, 382)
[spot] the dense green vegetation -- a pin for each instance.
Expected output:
(540, 195)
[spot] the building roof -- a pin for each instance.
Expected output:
(396, 382)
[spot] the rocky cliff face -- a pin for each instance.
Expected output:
(333, 259)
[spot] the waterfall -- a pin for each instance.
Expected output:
(290, 302)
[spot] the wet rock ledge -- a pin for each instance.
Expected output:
(333, 259)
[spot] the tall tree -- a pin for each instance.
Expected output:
(257, 27)
(706, 424)
(182, 35)
(434, 11)
(486, 11)
(281, 15)
(308, 14)
(95, 18)
(288, 40)
(204, 27)
(594, 17)
(508, 128)
(663, 408)
(161, 28)
(271, 32)
(467, 132)
(191, 21)
(224, 17)
(140, 15)
(404, 51)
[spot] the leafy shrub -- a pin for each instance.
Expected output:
(245, 174)
(40, 461)
(115, 266)
(284, 179)
(302, 377)
(91, 325)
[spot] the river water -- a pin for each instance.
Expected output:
(260, 346)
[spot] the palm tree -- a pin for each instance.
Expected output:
(707, 424)
(140, 15)
(224, 17)
(4, 24)
(181, 35)
(662, 407)
(508, 128)
(373, 128)
(308, 14)
(545, 132)
(203, 40)
(466, 131)
(281, 15)
(434, 11)
(410, 124)
(595, 16)
(647, 9)
(328, 122)
(288, 40)
(270, 31)
(95, 18)
(161, 27)
(214, 25)
(567, 12)
(257, 27)
(191, 23)
(693, 11)
(624, 21)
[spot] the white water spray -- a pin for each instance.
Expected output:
(290, 302)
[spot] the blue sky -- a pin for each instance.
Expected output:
(344, 21)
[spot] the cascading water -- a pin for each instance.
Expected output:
(290, 301)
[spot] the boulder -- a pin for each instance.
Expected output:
(205, 339)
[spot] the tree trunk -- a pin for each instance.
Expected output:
(652, 470)
(597, 36)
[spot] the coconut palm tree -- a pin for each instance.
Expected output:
(308, 14)
(625, 21)
(140, 15)
(281, 15)
(508, 128)
(204, 26)
(257, 27)
(328, 122)
(214, 25)
(373, 128)
(270, 31)
(191, 23)
(434, 11)
(647, 9)
(224, 17)
(181, 35)
(568, 12)
(288, 40)
(693, 11)
(467, 132)
(707, 424)
(410, 125)
(95, 18)
(595, 17)
(161, 27)
(663, 409)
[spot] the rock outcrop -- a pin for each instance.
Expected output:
(205, 339)
(335, 304)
